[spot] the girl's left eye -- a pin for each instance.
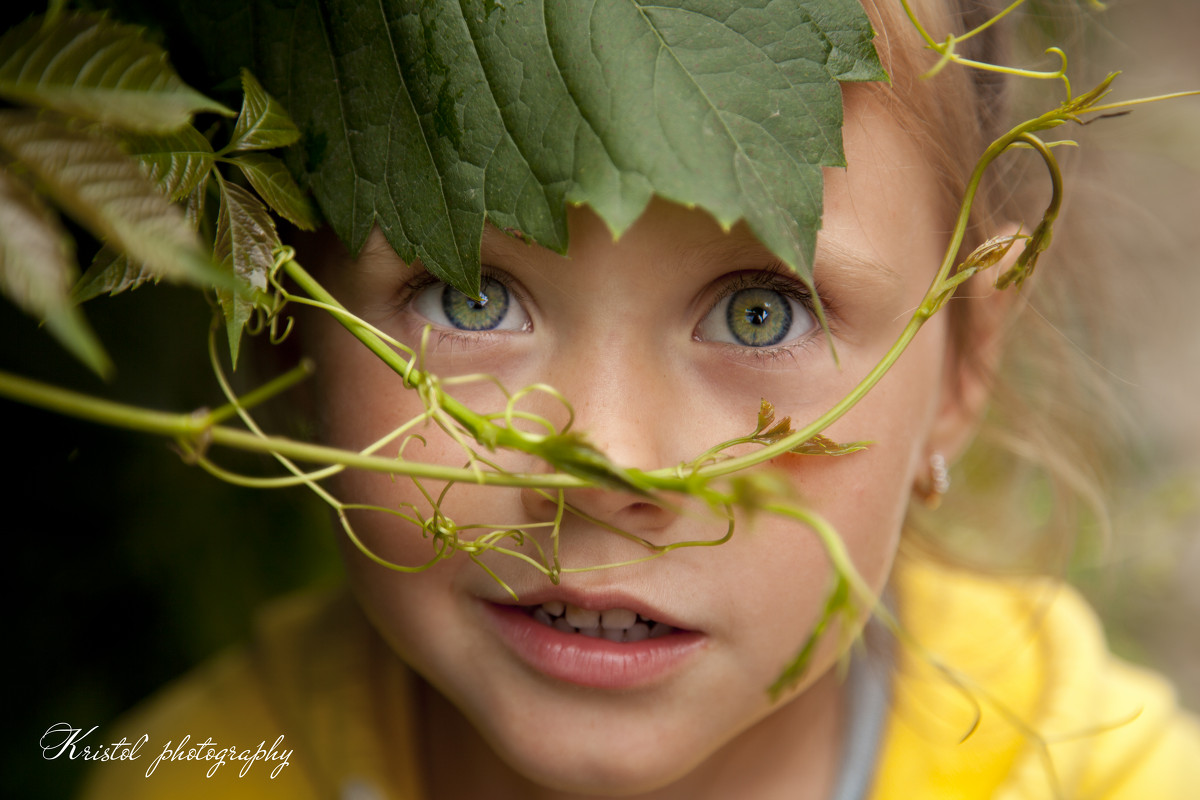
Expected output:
(495, 310)
(756, 316)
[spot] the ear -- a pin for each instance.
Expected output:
(978, 318)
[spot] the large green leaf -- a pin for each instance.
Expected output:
(430, 118)
(37, 266)
(105, 190)
(92, 67)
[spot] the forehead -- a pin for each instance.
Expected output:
(888, 200)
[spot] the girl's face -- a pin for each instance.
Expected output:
(654, 339)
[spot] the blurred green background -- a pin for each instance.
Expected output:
(1142, 187)
(128, 567)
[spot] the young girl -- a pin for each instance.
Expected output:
(651, 679)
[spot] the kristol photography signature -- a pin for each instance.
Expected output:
(62, 738)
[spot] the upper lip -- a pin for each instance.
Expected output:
(594, 599)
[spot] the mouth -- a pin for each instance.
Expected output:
(612, 624)
(604, 648)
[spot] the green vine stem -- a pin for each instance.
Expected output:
(946, 50)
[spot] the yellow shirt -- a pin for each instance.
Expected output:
(1020, 666)
(1050, 713)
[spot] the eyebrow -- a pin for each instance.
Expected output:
(844, 266)
(834, 264)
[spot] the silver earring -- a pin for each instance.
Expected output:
(938, 482)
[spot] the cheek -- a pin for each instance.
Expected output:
(418, 599)
(863, 498)
(865, 495)
(359, 398)
(359, 401)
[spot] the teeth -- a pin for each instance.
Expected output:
(582, 617)
(617, 619)
(613, 624)
(638, 632)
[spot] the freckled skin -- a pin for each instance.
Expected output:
(614, 327)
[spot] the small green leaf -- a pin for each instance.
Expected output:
(110, 273)
(271, 179)
(766, 415)
(1081, 103)
(176, 161)
(820, 445)
(105, 190)
(990, 253)
(37, 265)
(87, 65)
(262, 124)
(767, 431)
(245, 245)
(781, 429)
(1035, 245)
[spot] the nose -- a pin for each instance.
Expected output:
(604, 508)
(626, 405)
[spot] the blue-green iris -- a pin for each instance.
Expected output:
(471, 314)
(758, 317)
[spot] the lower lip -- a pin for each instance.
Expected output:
(593, 662)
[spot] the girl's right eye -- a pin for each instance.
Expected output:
(496, 309)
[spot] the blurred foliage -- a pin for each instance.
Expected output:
(1143, 191)
(130, 566)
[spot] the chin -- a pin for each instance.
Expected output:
(619, 747)
(601, 772)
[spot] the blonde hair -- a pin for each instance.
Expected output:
(1033, 476)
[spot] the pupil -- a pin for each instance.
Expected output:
(757, 315)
